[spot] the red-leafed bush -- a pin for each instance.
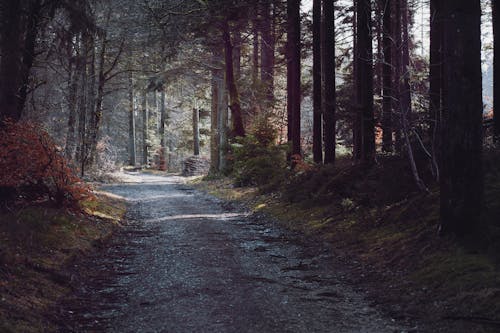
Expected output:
(32, 167)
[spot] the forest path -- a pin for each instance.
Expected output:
(188, 262)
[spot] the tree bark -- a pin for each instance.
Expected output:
(196, 132)
(75, 68)
(11, 36)
(97, 112)
(496, 69)
(222, 121)
(357, 118)
(255, 47)
(364, 81)
(161, 130)
(267, 53)
(214, 115)
(145, 128)
(435, 82)
(461, 179)
(329, 80)
(293, 68)
(234, 97)
(131, 121)
(317, 89)
(396, 58)
(387, 94)
(405, 57)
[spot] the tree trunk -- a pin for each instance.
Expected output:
(461, 179)
(131, 121)
(75, 68)
(97, 112)
(145, 128)
(34, 15)
(161, 130)
(267, 53)
(317, 121)
(222, 122)
(496, 69)
(234, 97)
(329, 80)
(387, 93)
(396, 58)
(214, 115)
(364, 81)
(405, 58)
(196, 132)
(293, 66)
(10, 39)
(82, 110)
(255, 47)
(357, 118)
(435, 82)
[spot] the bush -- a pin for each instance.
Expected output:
(33, 168)
(257, 160)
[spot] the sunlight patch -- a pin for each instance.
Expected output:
(222, 216)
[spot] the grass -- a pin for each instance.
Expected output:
(37, 245)
(377, 217)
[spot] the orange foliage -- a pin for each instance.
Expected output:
(299, 165)
(33, 168)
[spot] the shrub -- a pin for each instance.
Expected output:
(257, 160)
(34, 169)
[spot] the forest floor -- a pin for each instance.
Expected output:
(385, 232)
(40, 246)
(185, 261)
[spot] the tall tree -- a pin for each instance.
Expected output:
(234, 97)
(496, 69)
(387, 94)
(161, 130)
(364, 80)
(329, 79)
(317, 122)
(461, 179)
(293, 72)
(267, 52)
(145, 127)
(435, 81)
(131, 120)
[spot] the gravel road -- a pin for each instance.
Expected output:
(188, 262)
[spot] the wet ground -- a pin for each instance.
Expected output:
(187, 262)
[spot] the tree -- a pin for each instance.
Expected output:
(317, 117)
(461, 179)
(364, 81)
(435, 81)
(234, 96)
(19, 29)
(496, 69)
(267, 52)
(387, 93)
(293, 73)
(329, 79)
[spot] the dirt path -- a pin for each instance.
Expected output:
(187, 262)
